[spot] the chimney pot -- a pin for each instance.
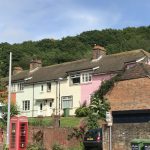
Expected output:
(17, 70)
(98, 51)
(35, 64)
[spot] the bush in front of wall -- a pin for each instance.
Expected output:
(57, 147)
(82, 111)
(35, 146)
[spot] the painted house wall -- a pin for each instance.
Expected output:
(36, 97)
(26, 94)
(13, 98)
(44, 97)
(80, 93)
(88, 89)
(68, 89)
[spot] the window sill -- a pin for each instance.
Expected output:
(19, 92)
(75, 84)
(25, 111)
(86, 83)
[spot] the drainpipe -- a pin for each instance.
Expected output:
(56, 97)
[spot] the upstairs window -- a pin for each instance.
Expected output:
(48, 87)
(86, 77)
(75, 79)
(26, 105)
(20, 86)
(42, 88)
(13, 88)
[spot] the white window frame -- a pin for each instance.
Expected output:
(86, 77)
(66, 98)
(13, 88)
(20, 86)
(26, 105)
(75, 76)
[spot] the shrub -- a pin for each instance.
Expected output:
(57, 147)
(35, 147)
(82, 111)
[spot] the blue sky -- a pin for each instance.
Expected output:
(23, 20)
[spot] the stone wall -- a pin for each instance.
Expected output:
(53, 136)
(124, 133)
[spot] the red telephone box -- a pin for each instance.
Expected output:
(18, 133)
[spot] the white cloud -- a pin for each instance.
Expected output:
(14, 35)
(34, 19)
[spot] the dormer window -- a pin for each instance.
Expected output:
(75, 79)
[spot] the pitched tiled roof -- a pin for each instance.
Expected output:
(60, 70)
(115, 62)
(108, 63)
(138, 71)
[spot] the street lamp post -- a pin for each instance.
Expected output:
(9, 100)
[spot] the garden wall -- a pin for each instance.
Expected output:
(124, 133)
(54, 135)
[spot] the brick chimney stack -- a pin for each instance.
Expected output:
(98, 51)
(35, 64)
(17, 70)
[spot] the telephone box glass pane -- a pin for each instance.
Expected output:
(22, 135)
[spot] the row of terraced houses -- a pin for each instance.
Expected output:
(43, 91)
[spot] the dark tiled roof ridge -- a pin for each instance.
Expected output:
(144, 70)
(145, 53)
(23, 71)
(69, 62)
(127, 52)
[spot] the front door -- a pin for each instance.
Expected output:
(40, 109)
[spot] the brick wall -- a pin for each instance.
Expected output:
(54, 135)
(130, 95)
(124, 133)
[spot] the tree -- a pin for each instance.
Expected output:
(13, 111)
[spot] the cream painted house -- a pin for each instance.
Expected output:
(43, 91)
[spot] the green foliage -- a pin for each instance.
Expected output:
(92, 122)
(5, 147)
(13, 111)
(40, 121)
(99, 104)
(105, 87)
(78, 133)
(82, 111)
(72, 48)
(70, 122)
(38, 141)
(35, 147)
(57, 147)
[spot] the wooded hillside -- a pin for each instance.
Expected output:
(52, 51)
